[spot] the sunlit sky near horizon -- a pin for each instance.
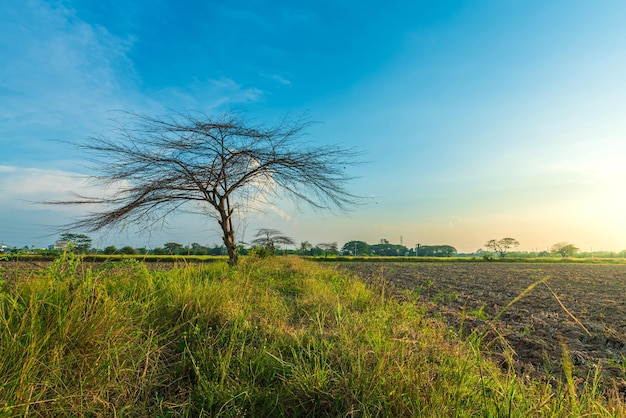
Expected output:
(478, 120)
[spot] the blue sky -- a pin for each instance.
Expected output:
(478, 120)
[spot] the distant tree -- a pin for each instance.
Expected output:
(127, 249)
(564, 249)
(356, 248)
(216, 250)
(81, 242)
(111, 249)
(437, 250)
(159, 251)
(328, 248)
(197, 249)
(502, 246)
(386, 249)
(223, 166)
(271, 238)
(174, 248)
(241, 248)
(305, 248)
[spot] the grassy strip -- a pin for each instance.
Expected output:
(273, 337)
(409, 259)
(97, 258)
(147, 258)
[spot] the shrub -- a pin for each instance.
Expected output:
(259, 252)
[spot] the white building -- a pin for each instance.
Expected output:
(61, 245)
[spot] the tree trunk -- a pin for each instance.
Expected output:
(229, 243)
(231, 249)
(228, 235)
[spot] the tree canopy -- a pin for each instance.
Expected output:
(222, 166)
(384, 248)
(271, 238)
(502, 246)
(356, 248)
(564, 249)
(81, 242)
(436, 250)
(328, 248)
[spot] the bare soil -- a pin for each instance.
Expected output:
(579, 306)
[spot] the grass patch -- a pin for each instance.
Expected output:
(508, 260)
(100, 258)
(272, 337)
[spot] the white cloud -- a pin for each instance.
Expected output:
(29, 183)
(23, 188)
(229, 91)
(281, 213)
(208, 95)
(280, 79)
(62, 76)
(59, 69)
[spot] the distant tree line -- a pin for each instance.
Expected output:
(169, 248)
(385, 248)
(271, 241)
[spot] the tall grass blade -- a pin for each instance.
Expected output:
(571, 315)
(520, 296)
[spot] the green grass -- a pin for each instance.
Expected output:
(99, 258)
(272, 337)
(420, 259)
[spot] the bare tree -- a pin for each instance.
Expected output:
(502, 246)
(270, 238)
(223, 165)
(328, 247)
(305, 247)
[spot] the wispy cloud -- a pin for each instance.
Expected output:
(209, 95)
(58, 68)
(25, 188)
(226, 90)
(61, 76)
(446, 222)
(20, 185)
(277, 78)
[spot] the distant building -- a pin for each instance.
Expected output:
(4, 248)
(61, 245)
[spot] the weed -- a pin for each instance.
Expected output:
(479, 313)
(444, 296)
(421, 289)
(526, 330)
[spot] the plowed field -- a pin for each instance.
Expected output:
(580, 305)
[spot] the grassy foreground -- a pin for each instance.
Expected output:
(272, 337)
